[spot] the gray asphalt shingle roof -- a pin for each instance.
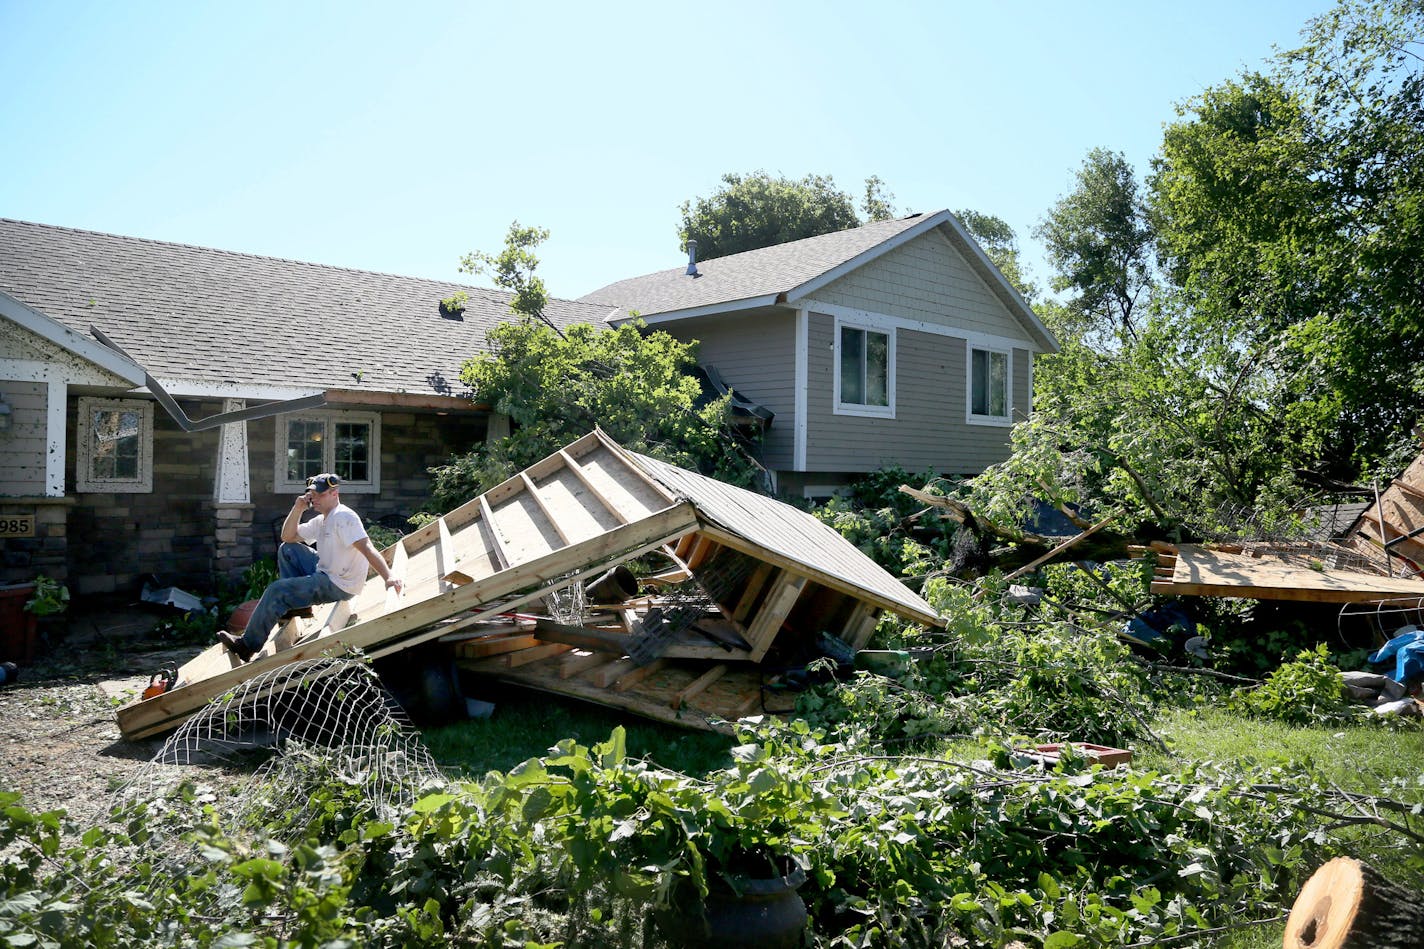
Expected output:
(785, 273)
(749, 275)
(215, 316)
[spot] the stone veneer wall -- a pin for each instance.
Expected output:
(115, 540)
(24, 558)
(232, 539)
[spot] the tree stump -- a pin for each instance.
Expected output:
(1348, 905)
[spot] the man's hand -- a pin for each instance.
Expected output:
(396, 583)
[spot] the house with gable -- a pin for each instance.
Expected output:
(895, 342)
(100, 486)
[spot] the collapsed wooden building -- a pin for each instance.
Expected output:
(524, 584)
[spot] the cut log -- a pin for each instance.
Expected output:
(1348, 905)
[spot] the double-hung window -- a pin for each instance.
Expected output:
(865, 370)
(989, 386)
(115, 446)
(345, 443)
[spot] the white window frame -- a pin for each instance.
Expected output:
(814, 492)
(970, 416)
(84, 477)
(280, 482)
(858, 408)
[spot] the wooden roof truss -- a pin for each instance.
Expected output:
(482, 578)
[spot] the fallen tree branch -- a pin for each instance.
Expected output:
(1193, 670)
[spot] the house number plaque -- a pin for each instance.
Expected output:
(17, 525)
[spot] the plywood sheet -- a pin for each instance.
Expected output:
(1202, 571)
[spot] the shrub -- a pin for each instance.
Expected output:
(1305, 691)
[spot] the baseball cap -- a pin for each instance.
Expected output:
(320, 483)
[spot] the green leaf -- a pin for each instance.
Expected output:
(1062, 940)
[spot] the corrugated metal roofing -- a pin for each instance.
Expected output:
(828, 558)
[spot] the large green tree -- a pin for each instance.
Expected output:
(1278, 349)
(1000, 245)
(758, 210)
(1290, 208)
(1100, 244)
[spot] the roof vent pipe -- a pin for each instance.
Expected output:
(692, 258)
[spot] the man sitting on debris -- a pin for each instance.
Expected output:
(335, 571)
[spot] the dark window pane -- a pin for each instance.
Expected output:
(979, 382)
(353, 450)
(852, 366)
(877, 369)
(304, 449)
(998, 384)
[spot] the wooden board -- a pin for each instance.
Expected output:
(1201, 571)
(687, 694)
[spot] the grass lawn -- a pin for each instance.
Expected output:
(526, 724)
(1363, 759)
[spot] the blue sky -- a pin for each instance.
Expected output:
(398, 137)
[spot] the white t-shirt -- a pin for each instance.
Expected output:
(336, 535)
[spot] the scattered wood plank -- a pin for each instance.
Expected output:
(525, 656)
(1202, 571)
(762, 630)
(610, 672)
(698, 685)
(633, 677)
(494, 646)
(577, 661)
(1067, 544)
(861, 625)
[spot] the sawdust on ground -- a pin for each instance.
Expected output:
(60, 745)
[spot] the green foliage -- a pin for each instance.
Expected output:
(877, 204)
(556, 388)
(1306, 691)
(1001, 246)
(512, 269)
(381, 536)
(757, 210)
(1098, 239)
(50, 597)
(258, 576)
(992, 675)
(1288, 204)
(889, 526)
(571, 847)
(1278, 348)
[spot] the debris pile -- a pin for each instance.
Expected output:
(521, 584)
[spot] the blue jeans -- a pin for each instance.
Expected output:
(299, 585)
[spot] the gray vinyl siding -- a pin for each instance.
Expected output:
(22, 462)
(756, 355)
(928, 430)
(925, 279)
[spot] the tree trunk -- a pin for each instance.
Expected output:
(1348, 905)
